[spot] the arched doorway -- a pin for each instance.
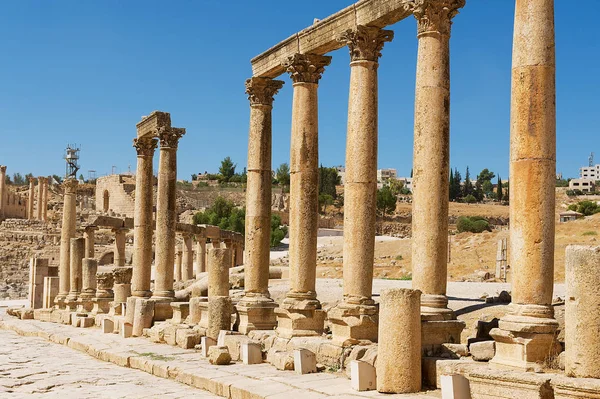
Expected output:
(106, 201)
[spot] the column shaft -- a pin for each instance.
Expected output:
(40, 198)
(45, 202)
(201, 255)
(67, 232)
(75, 268)
(187, 271)
(120, 236)
(89, 234)
(3, 201)
(30, 204)
(142, 222)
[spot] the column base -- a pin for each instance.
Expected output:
(141, 294)
(526, 338)
(84, 305)
(300, 318)
(436, 333)
(71, 303)
(256, 313)
(59, 302)
(435, 308)
(101, 305)
(352, 323)
(162, 308)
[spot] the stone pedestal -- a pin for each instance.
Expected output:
(301, 301)
(142, 222)
(122, 285)
(526, 335)
(352, 323)
(582, 313)
(104, 292)
(256, 307)
(67, 232)
(166, 215)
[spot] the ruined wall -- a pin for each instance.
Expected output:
(116, 193)
(15, 205)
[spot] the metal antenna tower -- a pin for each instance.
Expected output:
(591, 159)
(72, 159)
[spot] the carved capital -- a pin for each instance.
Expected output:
(365, 42)
(105, 281)
(42, 180)
(145, 146)
(31, 181)
(70, 186)
(3, 169)
(261, 91)
(123, 275)
(169, 137)
(306, 68)
(435, 15)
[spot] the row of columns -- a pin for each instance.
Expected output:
(2, 190)
(41, 211)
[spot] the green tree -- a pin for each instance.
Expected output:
(227, 169)
(470, 199)
(18, 179)
(499, 189)
(485, 175)
(324, 200)
(455, 188)
(562, 183)
(586, 208)
(386, 201)
(472, 224)
(278, 231)
(282, 174)
(81, 178)
(328, 179)
(488, 188)
(7, 179)
(396, 185)
(468, 187)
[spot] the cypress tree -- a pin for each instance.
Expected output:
(499, 191)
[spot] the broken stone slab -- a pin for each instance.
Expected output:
(363, 376)
(483, 351)
(282, 360)
(219, 355)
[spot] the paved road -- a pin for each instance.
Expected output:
(35, 368)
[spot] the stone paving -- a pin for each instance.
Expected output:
(34, 368)
(236, 381)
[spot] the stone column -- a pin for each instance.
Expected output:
(88, 291)
(89, 235)
(122, 285)
(120, 236)
(201, 255)
(215, 242)
(187, 270)
(142, 221)
(75, 270)
(3, 202)
(431, 168)
(178, 263)
(67, 232)
(166, 212)
(356, 316)
(399, 351)
(104, 292)
(256, 308)
(30, 204)
(525, 336)
(219, 303)
(45, 201)
(40, 197)
(300, 313)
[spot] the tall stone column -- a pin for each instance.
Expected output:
(30, 207)
(201, 255)
(40, 197)
(300, 313)
(45, 201)
(356, 316)
(525, 336)
(3, 199)
(431, 165)
(166, 213)
(187, 270)
(75, 271)
(89, 235)
(120, 236)
(142, 221)
(67, 232)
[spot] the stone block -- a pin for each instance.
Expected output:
(181, 311)
(483, 351)
(195, 310)
(187, 338)
(126, 330)
(86, 322)
(251, 353)
(143, 314)
(219, 355)
(362, 376)
(305, 361)
(454, 351)
(455, 387)
(282, 360)
(206, 343)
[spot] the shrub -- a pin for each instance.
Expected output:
(473, 224)
(586, 208)
(470, 199)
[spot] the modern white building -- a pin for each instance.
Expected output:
(590, 172)
(586, 185)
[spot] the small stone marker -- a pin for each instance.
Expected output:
(251, 353)
(305, 361)
(455, 387)
(221, 337)
(108, 326)
(362, 376)
(126, 330)
(206, 343)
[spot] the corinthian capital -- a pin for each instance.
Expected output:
(169, 137)
(365, 42)
(261, 91)
(145, 145)
(306, 68)
(435, 15)
(70, 186)
(2, 169)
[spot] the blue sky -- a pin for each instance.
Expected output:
(86, 71)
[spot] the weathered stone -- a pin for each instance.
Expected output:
(483, 351)
(219, 355)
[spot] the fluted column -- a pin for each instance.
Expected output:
(201, 255)
(45, 201)
(305, 71)
(40, 197)
(3, 200)
(360, 187)
(67, 232)
(526, 336)
(142, 221)
(166, 212)
(431, 161)
(187, 269)
(30, 208)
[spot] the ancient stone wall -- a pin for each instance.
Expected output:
(116, 193)
(15, 205)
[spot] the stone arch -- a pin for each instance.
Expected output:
(107, 258)
(106, 205)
